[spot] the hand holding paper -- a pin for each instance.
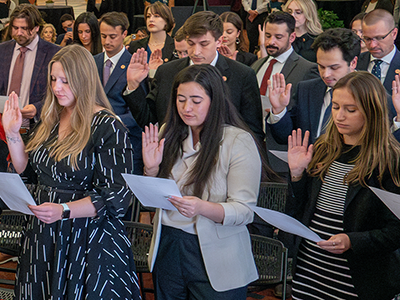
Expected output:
(15, 194)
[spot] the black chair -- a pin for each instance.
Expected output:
(271, 257)
(140, 236)
(273, 196)
(12, 225)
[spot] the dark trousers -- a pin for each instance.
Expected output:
(179, 272)
(252, 30)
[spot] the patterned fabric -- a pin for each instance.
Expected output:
(85, 258)
(376, 70)
(321, 274)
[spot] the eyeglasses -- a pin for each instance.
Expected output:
(377, 38)
(178, 54)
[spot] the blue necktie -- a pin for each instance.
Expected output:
(327, 114)
(376, 70)
(254, 5)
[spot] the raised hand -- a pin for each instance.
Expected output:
(12, 117)
(396, 96)
(261, 37)
(138, 69)
(155, 59)
(152, 150)
(299, 153)
(225, 51)
(279, 93)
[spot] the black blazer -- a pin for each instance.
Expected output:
(246, 58)
(240, 78)
(374, 232)
(167, 51)
(383, 4)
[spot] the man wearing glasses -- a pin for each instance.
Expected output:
(382, 58)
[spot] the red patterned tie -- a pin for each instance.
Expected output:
(16, 78)
(267, 75)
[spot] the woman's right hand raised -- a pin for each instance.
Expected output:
(152, 150)
(299, 153)
(12, 117)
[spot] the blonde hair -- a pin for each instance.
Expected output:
(379, 151)
(83, 79)
(309, 9)
(53, 38)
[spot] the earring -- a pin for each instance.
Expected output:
(237, 41)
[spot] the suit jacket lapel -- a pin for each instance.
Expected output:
(41, 54)
(223, 66)
(119, 70)
(290, 64)
(394, 65)
(316, 100)
(99, 64)
(6, 64)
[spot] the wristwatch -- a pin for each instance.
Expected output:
(66, 212)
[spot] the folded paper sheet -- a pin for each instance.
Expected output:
(391, 200)
(285, 223)
(153, 191)
(14, 193)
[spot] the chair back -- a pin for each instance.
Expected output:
(273, 196)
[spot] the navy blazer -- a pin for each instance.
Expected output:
(114, 88)
(394, 68)
(374, 232)
(240, 78)
(44, 54)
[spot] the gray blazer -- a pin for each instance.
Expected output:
(235, 185)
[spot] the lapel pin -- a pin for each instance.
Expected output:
(397, 71)
(224, 78)
(166, 60)
(123, 67)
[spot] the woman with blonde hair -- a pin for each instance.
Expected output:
(331, 180)
(75, 245)
(49, 33)
(307, 27)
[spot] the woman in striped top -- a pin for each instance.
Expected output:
(358, 256)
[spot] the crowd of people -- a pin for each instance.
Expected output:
(199, 107)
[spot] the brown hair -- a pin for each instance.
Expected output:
(379, 149)
(202, 22)
(28, 12)
(115, 19)
(164, 11)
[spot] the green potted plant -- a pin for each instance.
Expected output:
(49, 3)
(329, 19)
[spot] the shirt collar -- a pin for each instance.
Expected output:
(213, 63)
(284, 56)
(115, 58)
(388, 58)
(32, 46)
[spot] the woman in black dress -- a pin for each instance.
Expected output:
(75, 247)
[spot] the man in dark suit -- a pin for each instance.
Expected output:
(204, 35)
(25, 22)
(112, 65)
(337, 53)
(279, 36)
(382, 58)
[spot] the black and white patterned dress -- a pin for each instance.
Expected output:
(85, 258)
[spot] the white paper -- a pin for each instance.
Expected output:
(286, 223)
(282, 155)
(391, 200)
(14, 193)
(153, 191)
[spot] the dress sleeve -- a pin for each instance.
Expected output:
(243, 181)
(113, 155)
